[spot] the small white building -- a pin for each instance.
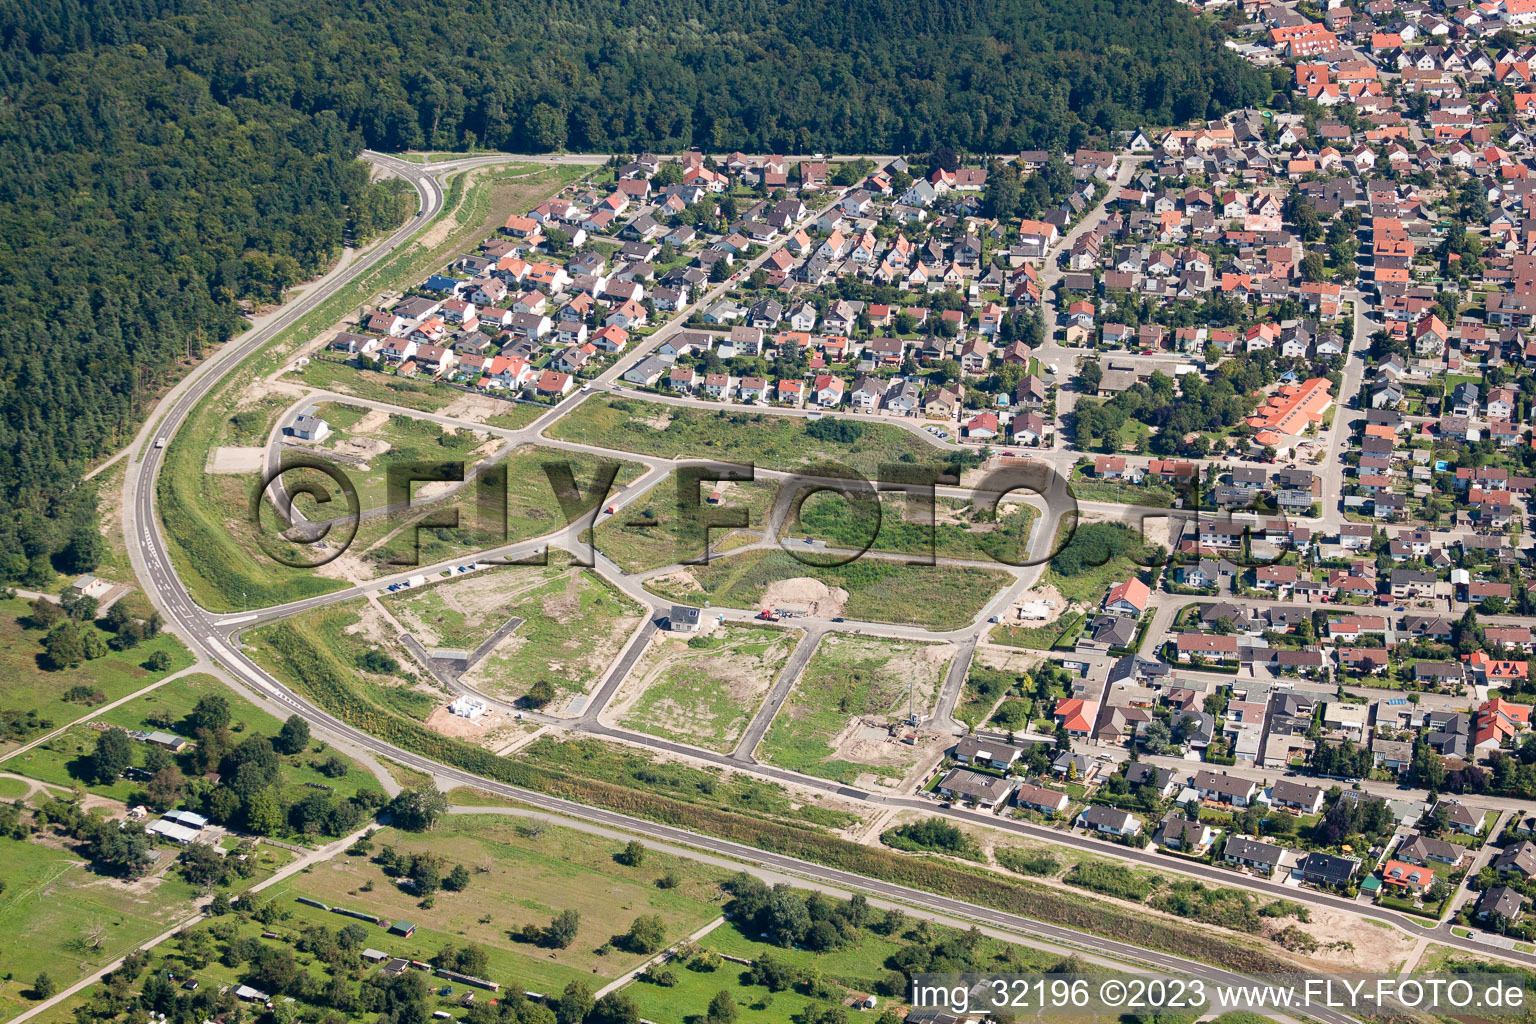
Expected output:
(310, 428)
(174, 831)
(684, 619)
(468, 707)
(90, 586)
(186, 818)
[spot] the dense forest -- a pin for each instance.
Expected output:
(879, 76)
(167, 159)
(136, 211)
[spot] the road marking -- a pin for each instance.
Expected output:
(236, 619)
(238, 666)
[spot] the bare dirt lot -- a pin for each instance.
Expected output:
(1007, 659)
(474, 408)
(371, 421)
(1046, 599)
(449, 724)
(1361, 945)
(235, 461)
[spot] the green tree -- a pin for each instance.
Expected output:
(251, 766)
(43, 613)
(545, 127)
(211, 712)
(112, 756)
(43, 986)
(63, 646)
(646, 934)
(417, 810)
(262, 813)
(293, 737)
(1313, 266)
(91, 644)
(614, 1008)
(722, 1009)
(540, 694)
(165, 787)
(562, 929)
(574, 1004)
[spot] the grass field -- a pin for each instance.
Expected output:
(387, 544)
(384, 544)
(114, 564)
(939, 597)
(410, 440)
(706, 694)
(347, 632)
(860, 965)
(60, 759)
(1099, 555)
(438, 617)
(519, 875)
(653, 531)
(993, 675)
(575, 624)
(772, 441)
(330, 375)
(204, 515)
(522, 874)
(1039, 638)
(59, 917)
(27, 687)
(846, 678)
(517, 415)
(956, 529)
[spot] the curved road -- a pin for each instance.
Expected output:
(215, 637)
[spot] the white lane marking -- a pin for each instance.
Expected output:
(236, 619)
(235, 663)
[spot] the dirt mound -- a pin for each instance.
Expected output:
(807, 596)
(364, 449)
(681, 580)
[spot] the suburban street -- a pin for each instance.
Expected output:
(216, 636)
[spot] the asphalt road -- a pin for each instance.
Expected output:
(758, 727)
(216, 637)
